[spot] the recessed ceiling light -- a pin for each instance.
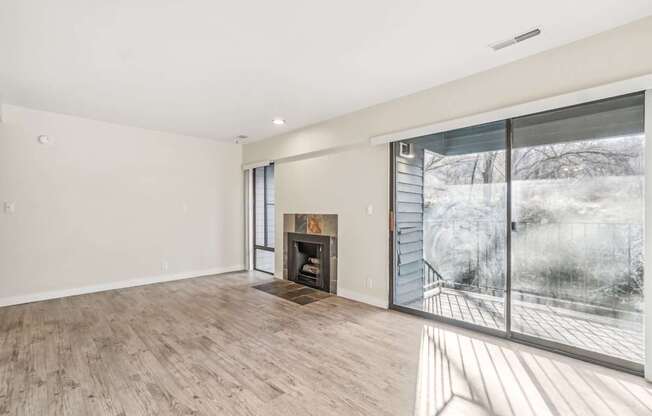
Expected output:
(278, 121)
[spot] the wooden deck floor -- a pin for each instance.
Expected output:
(596, 333)
(217, 346)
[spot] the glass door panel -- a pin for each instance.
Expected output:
(450, 216)
(264, 219)
(577, 228)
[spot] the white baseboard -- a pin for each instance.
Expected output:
(360, 297)
(54, 294)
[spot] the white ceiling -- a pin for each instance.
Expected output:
(217, 69)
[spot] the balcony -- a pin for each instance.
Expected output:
(590, 326)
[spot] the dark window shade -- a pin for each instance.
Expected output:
(614, 117)
(269, 184)
(269, 205)
(483, 138)
(259, 206)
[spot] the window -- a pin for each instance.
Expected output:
(264, 219)
(530, 228)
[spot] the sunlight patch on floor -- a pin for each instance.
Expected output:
(476, 375)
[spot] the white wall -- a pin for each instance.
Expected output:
(344, 184)
(106, 204)
(608, 57)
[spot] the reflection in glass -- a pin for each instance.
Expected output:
(577, 239)
(456, 227)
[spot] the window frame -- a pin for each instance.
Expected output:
(573, 351)
(266, 237)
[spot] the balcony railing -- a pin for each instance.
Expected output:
(590, 267)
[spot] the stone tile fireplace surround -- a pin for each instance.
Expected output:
(301, 231)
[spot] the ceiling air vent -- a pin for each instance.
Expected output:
(516, 39)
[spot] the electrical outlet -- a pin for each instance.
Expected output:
(164, 266)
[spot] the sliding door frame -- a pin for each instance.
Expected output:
(545, 344)
(558, 347)
(509, 136)
(266, 246)
(393, 238)
(647, 288)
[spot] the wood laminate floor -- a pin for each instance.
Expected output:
(217, 346)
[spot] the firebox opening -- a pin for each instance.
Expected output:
(308, 261)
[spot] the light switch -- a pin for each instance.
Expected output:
(370, 209)
(9, 207)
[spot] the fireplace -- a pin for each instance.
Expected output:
(310, 250)
(309, 260)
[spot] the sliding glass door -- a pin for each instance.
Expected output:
(529, 228)
(577, 230)
(451, 225)
(264, 219)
